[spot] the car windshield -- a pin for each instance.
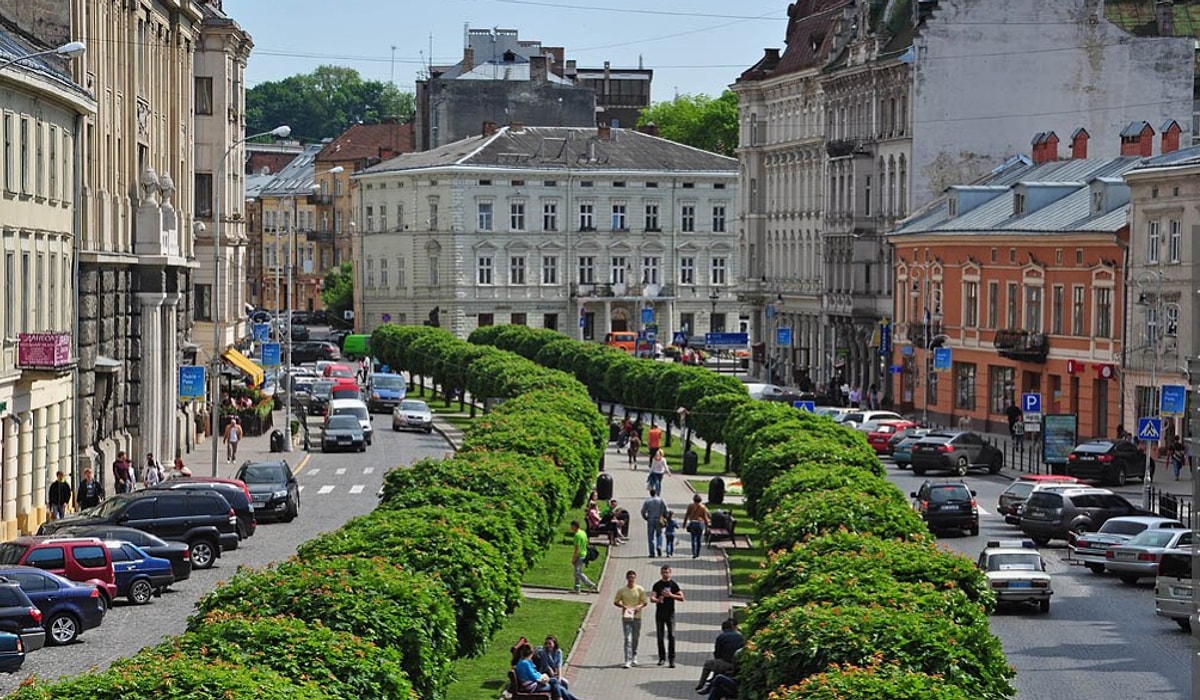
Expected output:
(1017, 561)
(1020, 489)
(945, 494)
(342, 422)
(340, 372)
(387, 382)
(418, 406)
(1153, 538)
(11, 552)
(322, 389)
(108, 508)
(1100, 447)
(1122, 527)
(262, 474)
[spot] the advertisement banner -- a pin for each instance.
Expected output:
(1059, 432)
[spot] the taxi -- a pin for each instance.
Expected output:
(1016, 573)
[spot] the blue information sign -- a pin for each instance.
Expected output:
(191, 382)
(1149, 429)
(271, 355)
(679, 338)
(885, 339)
(725, 340)
(941, 359)
(1173, 400)
(648, 315)
(783, 336)
(896, 369)
(810, 406)
(262, 332)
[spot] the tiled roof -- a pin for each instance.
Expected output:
(577, 149)
(810, 38)
(367, 141)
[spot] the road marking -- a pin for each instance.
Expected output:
(357, 488)
(314, 470)
(327, 488)
(369, 470)
(339, 472)
(301, 488)
(983, 511)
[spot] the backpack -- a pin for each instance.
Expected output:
(593, 553)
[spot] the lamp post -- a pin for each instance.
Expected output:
(922, 290)
(215, 407)
(70, 49)
(1154, 345)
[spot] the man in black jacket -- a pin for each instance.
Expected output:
(729, 643)
(58, 496)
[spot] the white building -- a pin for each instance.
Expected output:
(574, 229)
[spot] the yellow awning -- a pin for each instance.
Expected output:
(245, 364)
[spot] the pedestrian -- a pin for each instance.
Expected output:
(180, 470)
(549, 660)
(654, 440)
(1178, 456)
(873, 396)
(729, 643)
(664, 593)
(1014, 415)
(631, 449)
(631, 599)
(855, 397)
(233, 435)
(669, 533)
(654, 512)
(152, 473)
(579, 538)
(90, 491)
(122, 474)
(58, 496)
(658, 469)
(695, 521)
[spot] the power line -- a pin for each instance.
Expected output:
(773, 15)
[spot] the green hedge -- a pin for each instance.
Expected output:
(802, 514)
(811, 476)
(567, 443)
(879, 680)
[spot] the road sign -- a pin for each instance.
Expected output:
(652, 336)
(1173, 400)
(783, 336)
(941, 359)
(191, 382)
(1031, 403)
(896, 369)
(386, 318)
(1149, 428)
(648, 315)
(770, 312)
(582, 321)
(262, 332)
(679, 338)
(271, 354)
(906, 350)
(725, 340)
(885, 339)
(1033, 422)
(810, 406)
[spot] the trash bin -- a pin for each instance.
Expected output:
(614, 431)
(716, 491)
(691, 462)
(277, 441)
(604, 488)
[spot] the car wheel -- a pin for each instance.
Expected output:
(919, 471)
(1130, 579)
(362, 448)
(292, 511)
(1121, 478)
(1096, 568)
(428, 431)
(395, 428)
(140, 592)
(961, 465)
(975, 530)
(204, 554)
(1044, 606)
(1040, 541)
(996, 465)
(1184, 623)
(62, 628)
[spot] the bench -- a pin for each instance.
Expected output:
(723, 526)
(514, 689)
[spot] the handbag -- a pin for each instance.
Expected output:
(662, 521)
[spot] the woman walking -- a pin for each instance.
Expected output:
(695, 521)
(658, 469)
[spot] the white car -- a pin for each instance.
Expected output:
(1016, 573)
(412, 415)
(859, 417)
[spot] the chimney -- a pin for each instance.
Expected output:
(537, 69)
(489, 128)
(1079, 143)
(649, 129)
(516, 127)
(468, 62)
(555, 54)
(604, 132)
(1137, 140)
(1170, 136)
(1164, 15)
(571, 71)
(1038, 147)
(1050, 147)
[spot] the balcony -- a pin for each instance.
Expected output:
(1022, 345)
(320, 199)
(319, 236)
(916, 333)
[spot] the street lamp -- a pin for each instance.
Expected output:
(922, 289)
(280, 132)
(68, 50)
(1153, 344)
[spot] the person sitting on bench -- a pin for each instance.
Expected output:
(595, 522)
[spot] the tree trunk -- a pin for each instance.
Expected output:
(668, 444)
(687, 442)
(708, 452)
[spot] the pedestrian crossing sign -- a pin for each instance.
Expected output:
(1149, 429)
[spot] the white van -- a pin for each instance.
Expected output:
(352, 407)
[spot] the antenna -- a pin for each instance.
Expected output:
(393, 75)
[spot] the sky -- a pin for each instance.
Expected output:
(697, 47)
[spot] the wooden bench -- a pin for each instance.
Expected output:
(514, 689)
(723, 526)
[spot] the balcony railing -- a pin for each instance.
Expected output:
(319, 236)
(1022, 345)
(320, 199)
(916, 333)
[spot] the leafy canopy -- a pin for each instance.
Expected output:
(697, 120)
(338, 290)
(324, 103)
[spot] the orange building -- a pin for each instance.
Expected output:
(1021, 277)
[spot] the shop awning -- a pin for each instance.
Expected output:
(245, 364)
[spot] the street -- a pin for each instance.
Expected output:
(334, 488)
(1101, 638)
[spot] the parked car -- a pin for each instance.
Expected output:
(1107, 461)
(178, 553)
(12, 652)
(299, 332)
(338, 371)
(859, 416)
(1090, 547)
(957, 451)
(385, 391)
(356, 408)
(1053, 514)
(202, 519)
(312, 351)
(319, 397)
(345, 389)
(79, 559)
(343, 433)
(1140, 556)
(19, 616)
(774, 392)
(273, 487)
(1173, 587)
(412, 414)
(238, 495)
(879, 432)
(140, 576)
(1016, 573)
(68, 608)
(902, 449)
(1013, 497)
(947, 505)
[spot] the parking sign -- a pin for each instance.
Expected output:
(1031, 403)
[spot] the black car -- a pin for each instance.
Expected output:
(273, 487)
(956, 452)
(1107, 461)
(202, 519)
(178, 553)
(1053, 515)
(343, 432)
(299, 333)
(319, 395)
(247, 521)
(12, 652)
(946, 505)
(312, 351)
(68, 608)
(20, 616)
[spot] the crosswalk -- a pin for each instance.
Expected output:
(308, 474)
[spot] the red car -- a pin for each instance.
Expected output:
(79, 559)
(880, 431)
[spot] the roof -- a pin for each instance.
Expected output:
(810, 39)
(369, 141)
(1139, 17)
(254, 184)
(1181, 158)
(578, 149)
(50, 67)
(298, 177)
(506, 70)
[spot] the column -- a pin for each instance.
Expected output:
(66, 441)
(24, 476)
(607, 318)
(42, 464)
(9, 431)
(173, 423)
(153, 411)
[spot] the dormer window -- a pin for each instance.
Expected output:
(1018, 204)
(1097, 202)
(952, 207)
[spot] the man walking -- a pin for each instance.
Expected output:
(122, 474)
(631, 598)
(654, 512)
(233, 435)
(579, 537)
(728, 643)
(90, 492)
(654, 440)
(58, 496)
(664, 593)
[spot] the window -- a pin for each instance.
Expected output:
(54, 291)
(383, 221)
(687, 270)
(203, 302)
(23, 155)
(650, 270)
(867, 198)
(1077, 310)
(718, 218)
(1172, 318)
(964, 386)
(550, 269)
(435, 272)
(433, 212)
(993, 309)
(717, 271)
(370, 284)
(587, 217)
(204, 95)
(47, 558)
(486, 320)
(39, 181)
(687, 218)
(1104, 313)
(1013, 303)
(9, 171)
(619, 265)
(652, 217)
(1174, 240)
(1058, 298)
(383, 273)
(1018, 204)
(516, 216)
(620, 221)
(687, 322)
(1151, 325)
(204, 195)
(399, 217)
(1033, 309)
(516, 269)
(1001, 388)
(483, 214)
(550, 216)
(550, 322)
(519, 319)
(716, 323)
(1152, 242)
(400, 276)
(370, 216)
(587, 269)
(483, 270)
(971, 305)
(66, 166)
(52, 162)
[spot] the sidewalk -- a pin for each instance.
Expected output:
(257, 447)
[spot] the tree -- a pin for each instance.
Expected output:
(324, 103)
(697, 120)
(337, 292)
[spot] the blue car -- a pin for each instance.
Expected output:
(12, 652)
(385, 391)
(139, 576)
(901, 445)
(68, 608)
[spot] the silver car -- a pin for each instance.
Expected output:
(1091, 547)
(412, 415)
(1139, 557)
